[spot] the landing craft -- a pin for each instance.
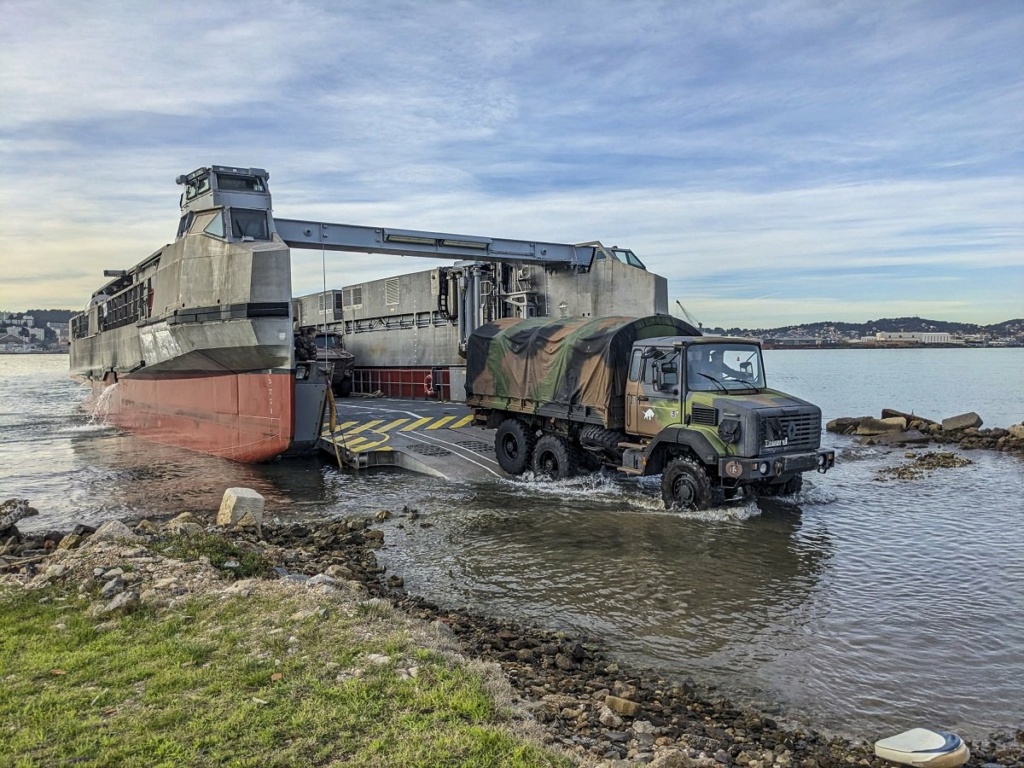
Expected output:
(193, 346)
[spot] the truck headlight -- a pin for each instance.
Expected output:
(763, 467)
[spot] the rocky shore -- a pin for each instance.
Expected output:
(896, 428)
(599, 712)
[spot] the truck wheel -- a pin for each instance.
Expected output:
(344, 388)
(685, 485)
(554, 457)
(513, 445)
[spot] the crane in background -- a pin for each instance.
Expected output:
(689, 316)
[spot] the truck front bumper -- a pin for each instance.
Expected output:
(740, 469)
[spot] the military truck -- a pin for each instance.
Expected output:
(330, 349)
(646, 396)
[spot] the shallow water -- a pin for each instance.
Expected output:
(859, 605)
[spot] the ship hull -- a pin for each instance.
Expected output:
(248, 417)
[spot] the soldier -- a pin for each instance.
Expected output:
(719, 368)
(305, 347)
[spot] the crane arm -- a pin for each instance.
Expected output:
(440, 245)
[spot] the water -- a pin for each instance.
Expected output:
(860, 606)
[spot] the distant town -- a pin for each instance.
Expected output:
(46, 330)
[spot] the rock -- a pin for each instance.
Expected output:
(963, 421)
(185, 524)
(113, 587)
(881, 426)
(239, 502)
(910, 417)
(912, 436)
(1017, 431)
(609, 719)
(622, 706)
(114, 530)
(672, 758)
(126, 602)
(250, 520)
(71, 541)
(13, 510)
(147, 527)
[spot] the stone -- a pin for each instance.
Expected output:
(609, 719)
(113, 587)
(185, 524)
(963, 421)
(126, 602)
(239, 502)
(881, 426)
(71, 541)
(912, 436)
(113, 530)
(147, 527)
(622, 706)
(1017, 431)
(250, 520)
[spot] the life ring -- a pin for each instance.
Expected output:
(428, 386)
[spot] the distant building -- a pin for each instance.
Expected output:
(916, 337)
(11, 343)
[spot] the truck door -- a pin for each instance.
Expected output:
(652, 401)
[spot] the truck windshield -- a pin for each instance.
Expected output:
(724, 367)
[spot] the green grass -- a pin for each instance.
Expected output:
(218, 683)
(219, 551)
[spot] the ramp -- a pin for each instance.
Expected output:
(432, 438)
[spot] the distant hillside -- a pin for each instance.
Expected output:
(882, 325)
(44, 316)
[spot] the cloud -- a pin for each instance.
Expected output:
(789, 145)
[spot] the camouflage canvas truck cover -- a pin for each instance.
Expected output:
(647, 396)
(572, 368)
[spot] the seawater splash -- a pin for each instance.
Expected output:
(99, 409)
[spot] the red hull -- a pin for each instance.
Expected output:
(245, 417)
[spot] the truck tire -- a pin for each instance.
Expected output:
(343, 388)
(553, 457)
(607, 440)
(685, 485)
(513, 445)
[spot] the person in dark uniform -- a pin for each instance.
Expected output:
(305, 347)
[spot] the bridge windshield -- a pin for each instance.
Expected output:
(231, 183)
(626, 256)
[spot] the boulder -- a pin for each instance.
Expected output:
(963, 421)
(909, 437)
(185, 524)
(238, 503)
(881, 426)
(622, 706)
(114, 530)
(890, 413)
(1017, 431)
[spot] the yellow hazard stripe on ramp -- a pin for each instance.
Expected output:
(364, 427)
(392, 425)
(440, 422)
(415, 425)
(465, 421)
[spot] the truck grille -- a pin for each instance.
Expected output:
(785, 432)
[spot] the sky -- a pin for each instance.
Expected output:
(778, 162)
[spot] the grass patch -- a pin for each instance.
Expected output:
(219, 551)
(237, 681)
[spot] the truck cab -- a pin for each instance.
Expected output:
(705, 402)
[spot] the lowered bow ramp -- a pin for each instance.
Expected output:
(436, 439)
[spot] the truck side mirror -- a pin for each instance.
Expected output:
(666, 376)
